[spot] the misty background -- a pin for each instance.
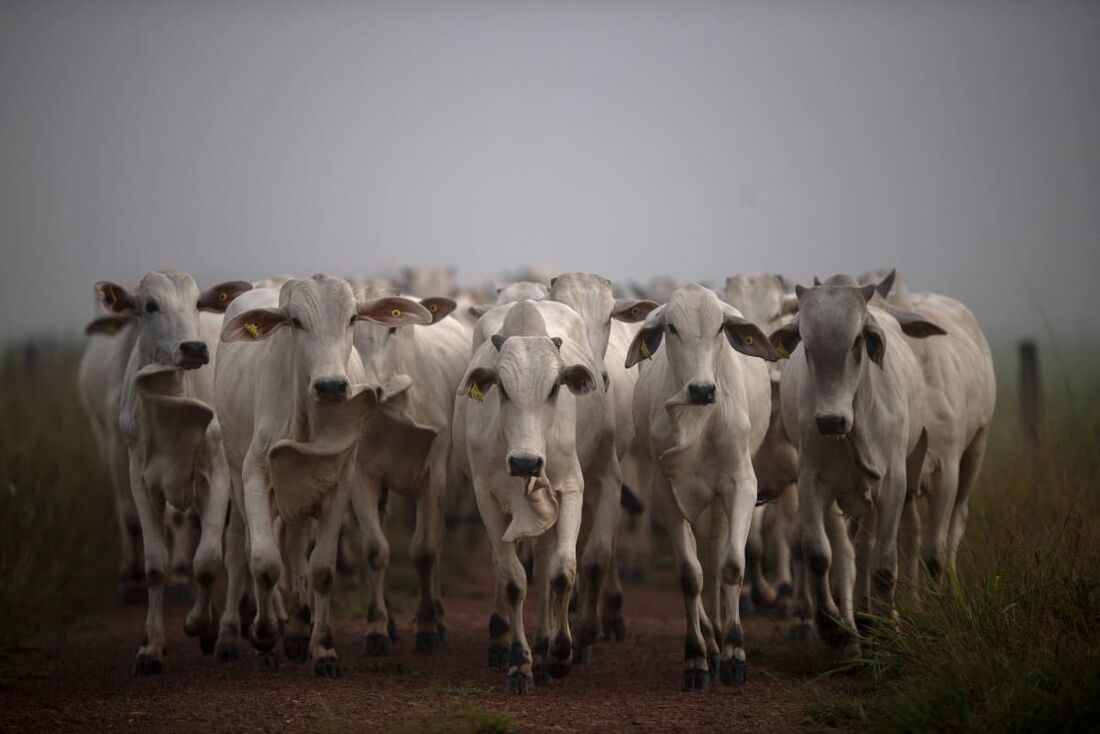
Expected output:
(958, 141)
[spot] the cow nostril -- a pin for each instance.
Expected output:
(524, 465)
(331, 389)
(832, 425)
(701, 393)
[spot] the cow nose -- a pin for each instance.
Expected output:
(701, 393)
(331, 390)
(194, 353)
(524, 465)
(832, 425)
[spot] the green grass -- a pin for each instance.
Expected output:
(57, 540)
(1013, 642)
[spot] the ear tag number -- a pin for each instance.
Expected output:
(253, 330)
(476, 394)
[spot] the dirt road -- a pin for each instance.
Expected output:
(84, 683)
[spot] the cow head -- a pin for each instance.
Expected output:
(528, 373)
(166, 306)
(694, 326)
(591, 296)
(317, 316)
(385, 347)
(840, 336)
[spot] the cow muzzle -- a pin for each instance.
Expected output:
(525, 465)
(330, 390)
(833, 425)
(701, 393)
(193, 354)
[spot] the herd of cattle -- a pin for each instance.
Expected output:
(800, 426)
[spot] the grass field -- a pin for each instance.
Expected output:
(1011, 644)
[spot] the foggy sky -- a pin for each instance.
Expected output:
(958, 141)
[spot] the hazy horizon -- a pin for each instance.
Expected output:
(959, 143)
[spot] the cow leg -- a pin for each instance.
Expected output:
(424, 550)
(150, 508)
(818, 556)
(712, 600)
(130, 571)
(612, 624)
(208, 557)
(943, 487)
(297, 537)
(561, 556)
(884, 557)
(740, 504)
(909, 547)
(376, 551)
(264, 562)
(863, 541)
(511, 588)
(236, 566)
(542, 548)
(842, 572)
(696, 666)
(778, 542)
(763, 593)
(181, 548)
(600, 546)
(322, 573)
(969, 467)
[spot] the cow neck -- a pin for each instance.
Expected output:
(863, 409)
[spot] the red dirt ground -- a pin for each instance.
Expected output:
(83, 682)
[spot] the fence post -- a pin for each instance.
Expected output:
(1031, 400)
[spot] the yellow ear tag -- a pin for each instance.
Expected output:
(110, 329)
(782, 351)
(476, 394)
(223, 296)
(395, 313)
(747, 340)
(253, 330)
(645, 350)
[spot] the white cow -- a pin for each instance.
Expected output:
(961, 391)
(292, 396)
(527, 445)
(172, 436)
(852, 403)
(702, 410)
(406, 448)
(99, 382)
(610, 325)
(767, 301)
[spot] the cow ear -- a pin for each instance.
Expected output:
(746, 337)
(478, 382)
(579, 379)
(479, 310)
(631, 311)
(817, 280)
(439, 308)
(868, 291)
(914, 325)
(874, 340)
(498, 340)
(884, 285)
(393, 311)
(108, 325)
(557, 342)
(217, 298)
(785, 339)
(115, 298)
(255, 325)
(646, 343)
(799, 289)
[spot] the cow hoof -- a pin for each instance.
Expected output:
(377, 645)
(542, 677)
(264, 661)
(582, 656)
(745, 605)
(832, 632)
(207, 643)
(613, 629)
(696, 679)
(326, 667)
(147, 665)
(442, 632)
(177, 593)
(262, 642)
(712, 662)
(558, 668)
(800, 632)
(519, 683)
(498, 656)
(226, 652)
(733, 672)
(427, 642)
(391, 630)
(296, 648)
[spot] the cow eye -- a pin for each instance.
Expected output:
(672, 330)
(151, 307)
(296, 323)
